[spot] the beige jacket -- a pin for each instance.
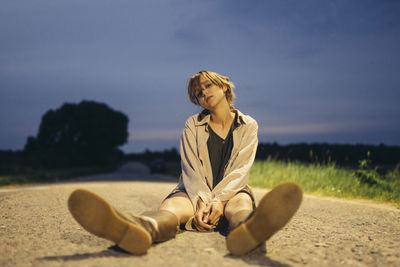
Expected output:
(197, 177)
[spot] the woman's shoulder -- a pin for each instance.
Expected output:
(191, 120)
(247, 119)
(196, 118)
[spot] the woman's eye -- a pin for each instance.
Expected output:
(208, 85)
(200, 94)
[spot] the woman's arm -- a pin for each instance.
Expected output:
(192, 173)
(238, 176)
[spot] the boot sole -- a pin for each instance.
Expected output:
(273, 212)
(99, 218)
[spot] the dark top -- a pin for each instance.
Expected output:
(219, 151)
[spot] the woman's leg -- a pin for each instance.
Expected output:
(238, 209)
(274, 210)
(134, 233)
(180, 205)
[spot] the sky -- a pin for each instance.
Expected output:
(308, 71)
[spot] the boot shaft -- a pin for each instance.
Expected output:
(166, 224)
(162, 225)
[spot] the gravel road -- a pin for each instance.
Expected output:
(36, 229)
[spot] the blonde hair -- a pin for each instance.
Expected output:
(215, 78)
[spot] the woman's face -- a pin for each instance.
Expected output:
(209, 95)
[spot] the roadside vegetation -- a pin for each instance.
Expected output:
(329, 179)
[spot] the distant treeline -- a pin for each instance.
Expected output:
(309, 153)
(167, 155)
(327, 153)
(346, 155)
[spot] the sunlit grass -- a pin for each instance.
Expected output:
(327, 180)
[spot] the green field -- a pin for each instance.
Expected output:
(330, 180)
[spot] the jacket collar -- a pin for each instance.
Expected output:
(203, 118)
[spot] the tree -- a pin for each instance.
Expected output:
(79, 134)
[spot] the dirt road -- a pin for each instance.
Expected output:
(36, 229)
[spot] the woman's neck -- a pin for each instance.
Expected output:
(222, 116)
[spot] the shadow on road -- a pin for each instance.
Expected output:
(258, 257)
(113, 251)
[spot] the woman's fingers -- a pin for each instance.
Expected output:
(200, 229)
(215, 220)
(214, 217)
(201, 226)
(206, 213)
(199, 222)
(217, 210)
(198, 216)
(205, 217)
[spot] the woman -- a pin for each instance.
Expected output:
(218, 148)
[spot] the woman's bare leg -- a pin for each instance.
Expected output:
(180, 205)
(238, 209)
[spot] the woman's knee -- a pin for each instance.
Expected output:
(241, 201)
(180, 205)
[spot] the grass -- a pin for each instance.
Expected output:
(329, 180)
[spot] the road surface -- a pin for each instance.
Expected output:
(36, 229)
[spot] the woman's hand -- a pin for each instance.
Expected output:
(201, 217)
(215, 210)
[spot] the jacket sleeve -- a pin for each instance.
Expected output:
(239, 169)
(192, 171)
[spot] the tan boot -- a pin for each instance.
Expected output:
(274, 211)
(134, 234)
